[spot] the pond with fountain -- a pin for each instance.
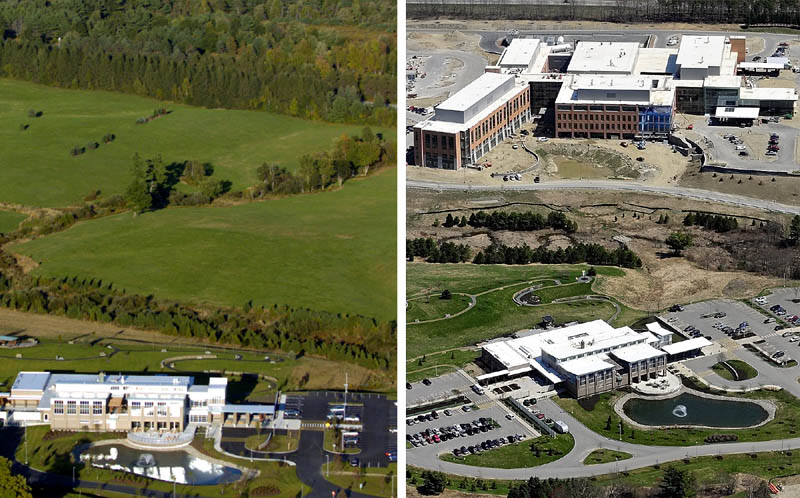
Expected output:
(173, 465)
(689, 409)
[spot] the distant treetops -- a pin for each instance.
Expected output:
(332, 60)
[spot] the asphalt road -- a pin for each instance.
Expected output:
(690, 193)
(587, 441)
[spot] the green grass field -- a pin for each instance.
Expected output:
(743, 370)
(595, 417)
(605, 456)
(707, 470)
(519, 455)
(38, 169)
(9, 220)
(432, 307)
(495, 313)
(332, 251)
(374, 481)
(419, 369)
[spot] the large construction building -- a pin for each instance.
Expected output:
(596, 89)
(587, 358)
(473, 121)
(85, 402)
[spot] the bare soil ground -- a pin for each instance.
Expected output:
(706, 271)
(411, 492)
(779, 189)
(451, 40)
(660, 166)
(565, 25)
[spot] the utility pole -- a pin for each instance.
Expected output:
(26, 442)
(327, 465)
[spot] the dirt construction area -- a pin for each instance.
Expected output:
(707, 270)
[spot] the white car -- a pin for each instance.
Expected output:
(509, 416)
(515, 146)
(543, 139)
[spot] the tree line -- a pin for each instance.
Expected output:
(593, 254)
(498, 253)
(339, 337)
(328, 60)
(350, 156)
(516, 221)
(433, 252)
(716, 222)
(784, 12)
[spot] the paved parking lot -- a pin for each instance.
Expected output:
(495, 412)
(441, 387)
(736, 313)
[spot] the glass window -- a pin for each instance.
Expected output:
(84, 408)
(58, 407)
(72, 407)
(97, 408)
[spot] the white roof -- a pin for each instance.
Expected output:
(761, 65)
(442, 126)
(600, 57)
(657, 61)
(762, 93)
(520, 52)
(475, 91)
(700, 51)
(637, 352)
(657, 329)
(737, 112)
(546, 371)
(687, 345)
(31, 381)
(583, 366)
(616, 89)
(723, 81)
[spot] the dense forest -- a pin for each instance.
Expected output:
(331, 60)
(335, 336)
(748, 12)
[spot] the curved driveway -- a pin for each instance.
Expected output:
(587, 441)
(690, 193)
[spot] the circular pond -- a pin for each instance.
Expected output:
(689, 409)
(172, 465)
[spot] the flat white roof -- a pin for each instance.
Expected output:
(31, 381)
(700, 52)
(687, 345)
(657, 61)
(520, 52)
(737, 112)
(770, 66)
(638, 352)
(599, 57)
(616, 89)
(583, 366)
(475, 91)
(657, 329)
(723, 81)
(761, 93)
(441, 126)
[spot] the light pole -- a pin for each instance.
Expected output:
(327, 465)
(26, 442)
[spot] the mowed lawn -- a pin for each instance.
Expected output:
(332, 251)
(9, 220)
(38, 169)
(495, 313)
